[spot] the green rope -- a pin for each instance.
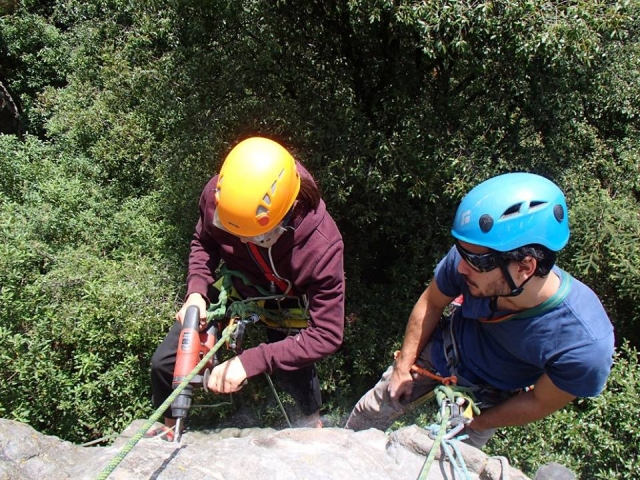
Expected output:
(446, 395)
(424, 473)
(111, 466)
(275, 393)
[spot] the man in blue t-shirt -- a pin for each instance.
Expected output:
(525, 336)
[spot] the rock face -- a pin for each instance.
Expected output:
(235, 454)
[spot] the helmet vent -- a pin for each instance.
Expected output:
(536, 204)
(558, 212)
(261, 210)
(512, 210)
(485, 222)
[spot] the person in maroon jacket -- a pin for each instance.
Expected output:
(263, 215)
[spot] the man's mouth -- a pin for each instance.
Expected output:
(469, 282)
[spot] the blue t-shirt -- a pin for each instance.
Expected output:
(573, 342)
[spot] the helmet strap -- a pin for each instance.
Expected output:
(515, 291)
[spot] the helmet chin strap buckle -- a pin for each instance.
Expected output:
(516, 291)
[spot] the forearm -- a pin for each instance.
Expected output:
(519, 410)
(543, 400)
(418, 331)
(422, 322)
(291, 353)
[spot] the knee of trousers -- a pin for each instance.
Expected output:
(478, 438)
(375, 408)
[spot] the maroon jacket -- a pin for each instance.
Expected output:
(310, 256)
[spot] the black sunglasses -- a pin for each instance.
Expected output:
(480, 262)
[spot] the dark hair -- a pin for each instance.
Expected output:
(545, 258)
(309, 195)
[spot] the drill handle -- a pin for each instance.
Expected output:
(192, 318)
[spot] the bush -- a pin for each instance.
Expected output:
(85, 296)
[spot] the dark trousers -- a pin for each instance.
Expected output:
(302, 384)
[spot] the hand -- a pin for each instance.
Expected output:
(400, 385)
(197, 300)
(228, 377)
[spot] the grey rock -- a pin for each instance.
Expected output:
(239, 454)
(554, 471)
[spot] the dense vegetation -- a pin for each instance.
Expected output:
(114, 114)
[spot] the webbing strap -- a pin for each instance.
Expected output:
(266, 269)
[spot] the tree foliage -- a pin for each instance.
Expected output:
(85, 295)
(397, 108)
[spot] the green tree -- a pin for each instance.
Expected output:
(398, 108)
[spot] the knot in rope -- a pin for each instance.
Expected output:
(457, 407)
(455, 402)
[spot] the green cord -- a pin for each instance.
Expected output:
(424, 473)
(111, 466)
(216, 311)
(275, 393)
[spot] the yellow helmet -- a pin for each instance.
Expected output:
(257, 185)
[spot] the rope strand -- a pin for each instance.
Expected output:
(111, 466)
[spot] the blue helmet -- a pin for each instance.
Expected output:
(513, 210)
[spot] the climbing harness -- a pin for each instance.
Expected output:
(456, 410)
(280, 318)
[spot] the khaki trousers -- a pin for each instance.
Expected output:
(376, 409)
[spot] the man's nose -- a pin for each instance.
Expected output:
(463, 267)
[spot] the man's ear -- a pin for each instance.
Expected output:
(527, 266)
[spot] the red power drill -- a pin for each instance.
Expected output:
(193, 345)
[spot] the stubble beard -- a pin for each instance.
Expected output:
(496, 288)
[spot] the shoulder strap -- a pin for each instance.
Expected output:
(268, 272)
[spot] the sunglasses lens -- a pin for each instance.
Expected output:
(484, 262)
